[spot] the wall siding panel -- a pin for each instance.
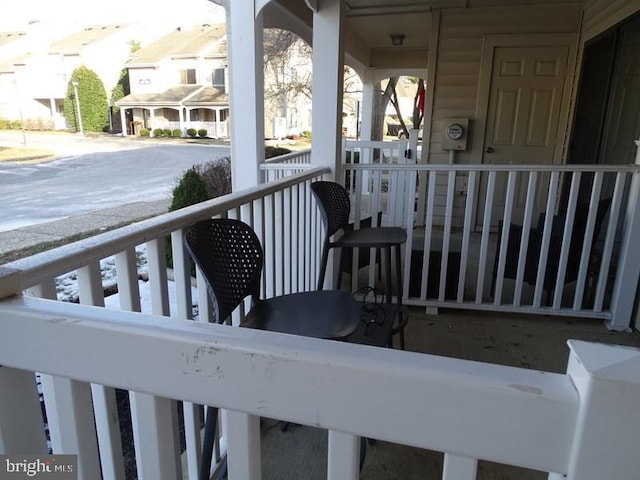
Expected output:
(460, 53)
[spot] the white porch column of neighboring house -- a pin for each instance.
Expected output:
(152, 115)
(123, 120)
(182, 119)
(246, 92)
(328, 79)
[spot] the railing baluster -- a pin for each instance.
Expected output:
(588, 240)
(607, 249)
(566, 239)
(279, 242)
(444, 261)
(428, 227)
(243, 433)
(466, 233)
(457, 467)
(287, 244)
(343, 455)
(409, 218)
(21, 427)
(157, 265)
(524, 240)
(71, 422)
(552, 197)
(104, 398)
(269, 247)
(504, 240)
(484, 241)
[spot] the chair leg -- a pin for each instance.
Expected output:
(399, 293)
(323, 266)
(340, 268)
(210, 425)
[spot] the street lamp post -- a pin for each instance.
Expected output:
(75, 90)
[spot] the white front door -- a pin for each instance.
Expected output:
(524, 106)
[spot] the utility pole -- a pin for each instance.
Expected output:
(75, 90)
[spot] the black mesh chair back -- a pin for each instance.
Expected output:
(335, 205)
(230, 256)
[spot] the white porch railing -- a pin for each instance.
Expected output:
(579, 425)
(276, 211)
(285, 165)
(568, 250)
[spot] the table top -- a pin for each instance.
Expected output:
(329, 314)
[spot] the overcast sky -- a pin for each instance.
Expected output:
(167, 13)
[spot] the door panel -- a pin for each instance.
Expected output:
(522, 118)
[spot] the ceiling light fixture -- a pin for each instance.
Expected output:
(397, 39)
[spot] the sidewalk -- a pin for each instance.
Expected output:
(53, 233)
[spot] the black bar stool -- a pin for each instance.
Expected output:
(335, 207)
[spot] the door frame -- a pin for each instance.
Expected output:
(489, 44)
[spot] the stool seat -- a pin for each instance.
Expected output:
(329, 314)
(373, 237)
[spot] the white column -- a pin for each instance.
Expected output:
(152, 116)
(368, 91)
(123, 121)
(246, 92)
(328, 64)
(607, 435)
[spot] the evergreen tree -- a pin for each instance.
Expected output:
(92, 98)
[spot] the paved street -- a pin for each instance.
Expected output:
(93, 174)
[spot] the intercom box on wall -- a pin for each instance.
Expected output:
(456, 132)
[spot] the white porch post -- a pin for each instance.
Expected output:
(182, 118)
(246, 92)
(328, 75)
(368, 92)
(152, 116)
(123, 121)
(626, 284)
(607, 434)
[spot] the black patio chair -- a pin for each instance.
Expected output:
(230, 256)
(335, 207)
(555, 248)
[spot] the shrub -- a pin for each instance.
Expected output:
(192, 132)
(202, 133)
(198, 184)
(217, 176)
(167, 132)
(158, 132)
(144, 132)
(177, 133)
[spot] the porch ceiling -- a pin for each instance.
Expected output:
(369, 25)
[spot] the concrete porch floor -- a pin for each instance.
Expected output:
(526, 341)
